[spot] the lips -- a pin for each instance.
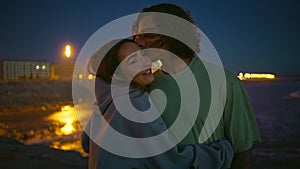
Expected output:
(146, 72)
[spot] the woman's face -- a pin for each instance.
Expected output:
(135, 64)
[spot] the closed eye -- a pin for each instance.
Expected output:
(132, 58)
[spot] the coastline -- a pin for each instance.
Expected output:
(22, 106)
(25, 103)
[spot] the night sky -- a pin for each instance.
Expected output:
(251, 35)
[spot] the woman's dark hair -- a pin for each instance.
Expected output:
(109, 53)
(176, 46)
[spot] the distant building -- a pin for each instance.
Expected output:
(21, 69)
(62, 71)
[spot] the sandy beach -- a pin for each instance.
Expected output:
(25, 130)
(31, 134)
(15, 155)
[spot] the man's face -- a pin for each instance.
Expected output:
(149, 40)
(143, 37)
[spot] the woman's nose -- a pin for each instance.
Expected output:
(146, 61)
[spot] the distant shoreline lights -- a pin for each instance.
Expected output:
(253, 76)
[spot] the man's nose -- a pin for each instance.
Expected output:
(139, 40)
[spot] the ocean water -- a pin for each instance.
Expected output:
(278, 116)
(59, 130)
(278, 113)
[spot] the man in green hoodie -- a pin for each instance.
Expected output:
(225, 98)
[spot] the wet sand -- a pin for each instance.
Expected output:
(15, 155)
(26, 130)
(278, 117)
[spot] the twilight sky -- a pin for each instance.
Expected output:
(250, 35)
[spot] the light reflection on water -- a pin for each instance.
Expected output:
(69, 131)
(67, 116)
(59, 130)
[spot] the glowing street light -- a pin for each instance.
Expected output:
(68, 51)
(90, 76)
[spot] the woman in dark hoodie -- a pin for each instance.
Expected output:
(126, 130)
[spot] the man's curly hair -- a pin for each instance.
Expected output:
(176, 46)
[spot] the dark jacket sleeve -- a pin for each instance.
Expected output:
(218, 155)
